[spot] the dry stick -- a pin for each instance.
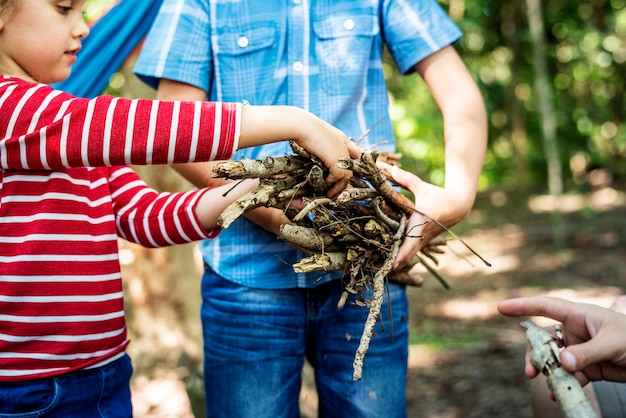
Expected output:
(363, 238)
(350, 287)
(353, 194)
(377, 300)
(546, 357)
(267, 167)
(235, 184)
(328, 261)
(434, 272)
(406, 278)
(307, 238)
(367, 132)
(263, 195)
(430, 255)
(380, 182)
(292, 193)
(376, 205)
(367, 167)
(455, 236)
(316, 179)
(304, 212)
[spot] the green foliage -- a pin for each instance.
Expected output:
(586, 48)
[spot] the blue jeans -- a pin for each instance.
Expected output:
(100, 392)
(255, 342)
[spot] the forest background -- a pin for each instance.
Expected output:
(549, 216)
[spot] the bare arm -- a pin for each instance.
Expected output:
(465, 131)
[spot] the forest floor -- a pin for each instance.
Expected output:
(466, 360)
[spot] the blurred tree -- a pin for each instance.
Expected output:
(546, 115)
(585, 55)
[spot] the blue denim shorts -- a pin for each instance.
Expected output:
(256, 340)
(100, 392)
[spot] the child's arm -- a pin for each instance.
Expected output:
(264, 124)
(46, 129)
(50, 130)
(152, 219)
(215, 200)
(465, 130)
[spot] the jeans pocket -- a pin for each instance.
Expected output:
(28, 399)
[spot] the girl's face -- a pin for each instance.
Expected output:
(39, 39)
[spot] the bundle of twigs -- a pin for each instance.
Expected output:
(358, 233)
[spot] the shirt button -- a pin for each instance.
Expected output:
(298, 66)
(348, 24)
(243, 42)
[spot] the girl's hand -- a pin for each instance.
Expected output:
(265, 124)
(329, 144)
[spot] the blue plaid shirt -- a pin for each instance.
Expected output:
(322, 55)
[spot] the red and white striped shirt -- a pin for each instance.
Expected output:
(66, 194)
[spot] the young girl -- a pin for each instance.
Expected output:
(67, 193)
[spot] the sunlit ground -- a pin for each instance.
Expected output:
(163, 397)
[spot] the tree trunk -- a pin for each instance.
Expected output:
(543, 89)
(511, 26)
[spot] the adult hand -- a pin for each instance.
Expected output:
(594, 336)
(435, 202)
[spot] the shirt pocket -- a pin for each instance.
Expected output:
(343, 46)
(246, 61)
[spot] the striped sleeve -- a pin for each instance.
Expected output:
(153, 219)
(47, 129)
